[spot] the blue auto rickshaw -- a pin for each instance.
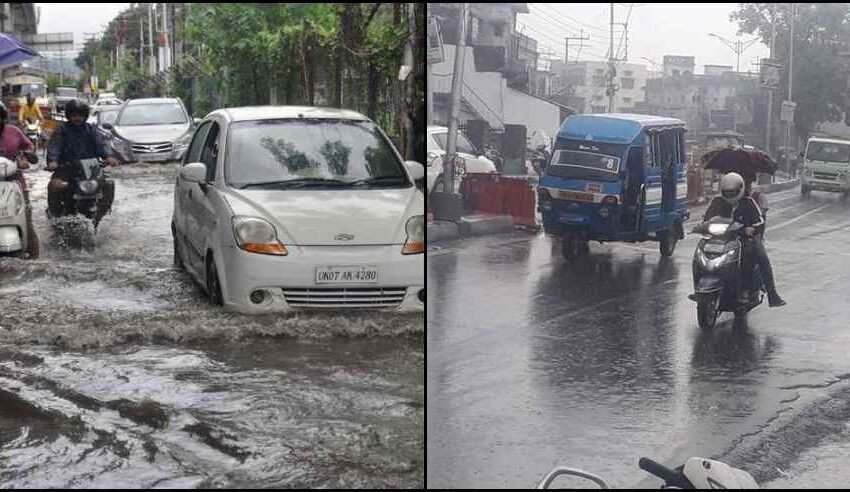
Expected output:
(616, 177)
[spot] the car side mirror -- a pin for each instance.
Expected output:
(802, 155)
(195, 172)
(197, 121)
(416, 170)
(108, 126)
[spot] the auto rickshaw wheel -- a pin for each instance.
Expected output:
(667, 242)
(573, 247)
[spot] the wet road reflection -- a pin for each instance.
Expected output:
(534, 362)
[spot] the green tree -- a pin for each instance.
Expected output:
(821, 33)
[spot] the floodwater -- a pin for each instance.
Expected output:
(116, 372)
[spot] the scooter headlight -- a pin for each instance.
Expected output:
(88, 187)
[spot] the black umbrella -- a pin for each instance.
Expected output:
(747, 163)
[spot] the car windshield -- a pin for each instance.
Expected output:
(37, 90)
(574, 164)
(152, 114)
(829, 152)
(463, 144)
(61, 92)
(273, 152)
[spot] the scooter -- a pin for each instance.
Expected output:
(32, 129)
(696, 473)
(13, 218)
(719, 274)
(84, 192)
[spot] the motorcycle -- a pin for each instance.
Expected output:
(84, 192)
(540, 159)
(13, 218)
(719, 283)
(32, 129)
(696, 473)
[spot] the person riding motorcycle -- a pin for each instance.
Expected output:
(13, 141)
(734, 203)
(76, 140)
(30, 111)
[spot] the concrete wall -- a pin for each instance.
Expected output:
(488, 94)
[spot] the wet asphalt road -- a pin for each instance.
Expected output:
(533, 362)
(115, 372)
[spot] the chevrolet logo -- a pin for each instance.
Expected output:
(344, 237)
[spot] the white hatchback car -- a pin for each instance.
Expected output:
(299, 207)
(472, 159)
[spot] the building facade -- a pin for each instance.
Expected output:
(583, 85)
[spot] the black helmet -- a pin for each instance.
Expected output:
(77, 107)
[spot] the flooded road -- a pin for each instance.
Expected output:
(115, 372)
(533, 362)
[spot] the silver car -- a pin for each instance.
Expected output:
(280, 208)
(151, 130)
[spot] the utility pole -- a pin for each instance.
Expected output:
(152, 60)
(611, 66)
(790, 93)
(770, 92)
(567, 44)
(457, 84)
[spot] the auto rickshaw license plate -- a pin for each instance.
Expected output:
(576, 196)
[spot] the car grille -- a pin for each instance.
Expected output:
(152, 148)
(826, 176)
(368, 297)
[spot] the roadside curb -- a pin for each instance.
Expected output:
(469, 226)
(769, 188)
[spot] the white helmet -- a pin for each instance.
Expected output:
(732, 188)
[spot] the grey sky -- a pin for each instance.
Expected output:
(654, 30)
(78, 18)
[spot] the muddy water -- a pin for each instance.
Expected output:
(114, 372)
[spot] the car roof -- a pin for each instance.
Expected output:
(829, 140)
(252, 113)
(152, 100)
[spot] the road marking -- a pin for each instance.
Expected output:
(795, 219)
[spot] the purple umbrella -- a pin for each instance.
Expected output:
(13, 51)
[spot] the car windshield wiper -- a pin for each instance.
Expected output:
(380, 180)
(297, 183)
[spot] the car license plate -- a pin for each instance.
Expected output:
(162, 156)
(347, 275)
(576, 196)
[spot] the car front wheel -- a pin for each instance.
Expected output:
(213, 284)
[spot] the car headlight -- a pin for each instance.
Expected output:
(257, 236)
(183, 141)
(415, 242)
(88, 186)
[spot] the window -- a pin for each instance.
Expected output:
(627, 100)
(600, 71)
(627, 83)
(627, 73)
(598, 80)
(675, 72)
(194, 154)
(598, 109)
(209, 154)
(597, 98)
(152, 114)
